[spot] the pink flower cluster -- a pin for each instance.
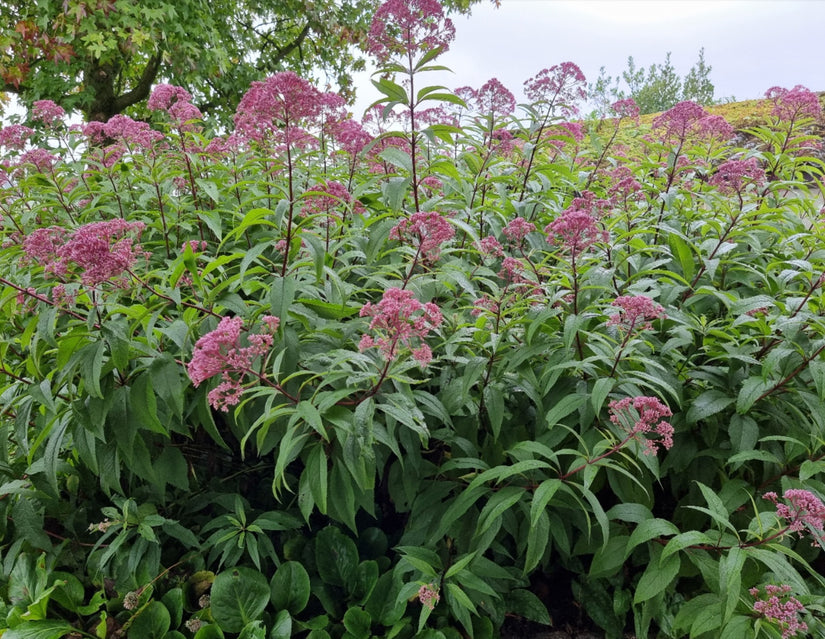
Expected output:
(792, 104)
(101, 251)
(626, 109)
(277, 108)
(687, 119)
(426, 230)
(490, 247)
(177, 102)
(327, 199)
(635, 312)
(575, 230)
(15, 136)
(47, 112)
(518, 229)
(400, 319)
(402, 28)
(494, 99)
(644, 415)
(122, 129)
(562, 85)
(428, 595)
(219, 352)
(734, 176)
(776, 605)
(806, 510)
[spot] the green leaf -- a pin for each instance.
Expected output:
(239, 596)
(526, 605)
(563, 408)
(397, 158)
(541, 497)
(336, 556)
(656, 577)
(151, 622)
(358, 623)
(41, 629)
(601, 389)
(708, 403)
(538, 537)
(648, 530)
(683, 253)
(752, 389)
(459, 564)
(253, 630)
(281, 626)
(290, 587)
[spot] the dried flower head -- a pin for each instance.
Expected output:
(399, 319)
(131, 600)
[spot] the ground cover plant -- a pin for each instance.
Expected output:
(453, 366)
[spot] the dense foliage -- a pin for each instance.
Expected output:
(313, 379)
(102, 57)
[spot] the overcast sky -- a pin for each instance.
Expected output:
(751, 45)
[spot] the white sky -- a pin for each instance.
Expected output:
(751, 45)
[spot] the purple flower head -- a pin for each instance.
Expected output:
(403, 28)
(219, 352)
(575, 230)
(687, 119)
(778, 606)
(804, 510)
(734, 176)
(494, 99)
(329, 199)
(490, 247)
(47, 112)
(426, 230)
(562, 85)
(278, 108)
(177, 102)
(792, 104)
(15, 136)
(40, 159)
(644, 416)
(125, 130)
(623, 186)
(101, 251)
(635, 312)
(626, 109)
(399, 319)
(518, 229)
(351, 136)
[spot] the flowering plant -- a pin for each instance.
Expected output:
(300, 380)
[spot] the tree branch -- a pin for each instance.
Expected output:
(143, 87)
